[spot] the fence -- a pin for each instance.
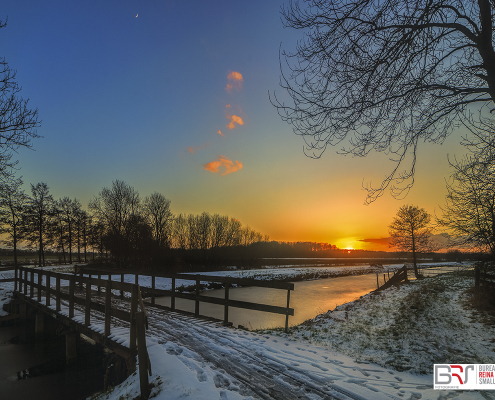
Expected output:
(226, 282)
(397, 277)
(25, 284)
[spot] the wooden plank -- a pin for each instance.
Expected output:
(143, 357)
(239, 304)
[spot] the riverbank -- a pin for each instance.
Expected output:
(408, 328)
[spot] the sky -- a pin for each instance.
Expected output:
(173, 97)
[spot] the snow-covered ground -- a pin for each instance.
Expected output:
(385, 349)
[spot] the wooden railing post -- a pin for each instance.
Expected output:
(226, 307)
(15, 279)
(72, 283)
(31, 288)
(136, 279)
(99, 289)
(122, 280)
(87, 304)
(40, 277)
(172, 300)
(153, 289)
(57, 294)
(108, 307)
(26, 282)
(196, 306)
(134, 304)
(47, 288)
(142, 356)
(287, 312)
(80, 278)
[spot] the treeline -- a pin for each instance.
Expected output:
(118, 227)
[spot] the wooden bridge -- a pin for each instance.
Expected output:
(106, 310)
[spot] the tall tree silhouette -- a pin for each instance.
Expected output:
(410, 231)
(383, 75)
(18, 122)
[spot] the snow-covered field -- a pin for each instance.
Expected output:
(384, 349)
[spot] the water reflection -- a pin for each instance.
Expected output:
(309, 299)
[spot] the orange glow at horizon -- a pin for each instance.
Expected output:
(228, 164)
(234, 119)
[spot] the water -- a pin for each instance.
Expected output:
(308, 299)
(46, 360)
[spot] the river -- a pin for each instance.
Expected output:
(46, 360)
(308, 299)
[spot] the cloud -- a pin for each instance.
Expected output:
(227, 106)
(235, 76)
(225, 162)
(220, 133)
(192, 150)
(235, 81)
(381, 241)
(234, 119)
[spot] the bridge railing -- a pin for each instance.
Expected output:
(27, 280)
(226, 282)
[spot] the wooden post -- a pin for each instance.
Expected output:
(72, 283)
(26, 282)
(40, 277)
(134, 304)
(99, 289)
(172, 300)
(136, 279)
(108, 307)
(57, 294)
(226, 307)
(31, 288)
(153, 289)
(80, 278)
(287, 312)
(122, 280)
(384, 279)
(15, 279)
(196, 306)
(47, 288)
(87, 305)
(377, 284)
(142, 357)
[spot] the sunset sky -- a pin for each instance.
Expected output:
(172, 96)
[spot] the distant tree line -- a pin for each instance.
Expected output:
(119, 227)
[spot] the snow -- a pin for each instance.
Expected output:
(384, 349)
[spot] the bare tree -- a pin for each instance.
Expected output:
(37, 218)
(156, 209)
(18, 122)
(114, 208)
(410, 231)
(383, 75)
(469, 210)
(12, 203)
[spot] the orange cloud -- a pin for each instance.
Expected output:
(234, 119)
(228, 106)
(234, 76)
(235, 81)
(225, 162)
(220, 133)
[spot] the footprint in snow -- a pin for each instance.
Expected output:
(200, 374)
(398, 378)
(221, 381)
